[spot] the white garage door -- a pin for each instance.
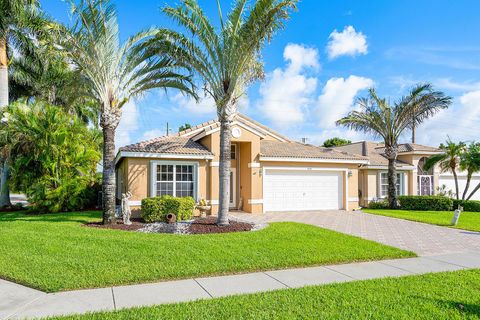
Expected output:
(462, 181)
(299, 190)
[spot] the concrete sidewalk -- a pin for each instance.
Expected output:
(19, 302)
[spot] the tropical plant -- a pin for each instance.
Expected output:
(376, 116)
(184, 127)
(54, 155)
(335, 142)
(226, 59)
(470, 163)
(21, 23)
(448, 160)
(114, 73)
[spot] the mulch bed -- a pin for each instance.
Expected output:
(136, 224)
(209, 225)
(197, 226)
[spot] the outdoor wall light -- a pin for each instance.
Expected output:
(350, 173)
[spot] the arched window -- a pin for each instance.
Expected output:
(421, 171)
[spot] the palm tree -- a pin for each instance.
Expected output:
(448, 160)
(226, 60)
(470, 162)
(115, 72)
(389, 122)
(21, 22)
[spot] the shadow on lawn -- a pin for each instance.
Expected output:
(79, 216)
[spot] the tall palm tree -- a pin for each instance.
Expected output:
(226, 59)
(470, 163)
(21, 22)
(115, 72)
(389, 122)
(448, 160)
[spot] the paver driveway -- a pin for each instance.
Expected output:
(423, 239)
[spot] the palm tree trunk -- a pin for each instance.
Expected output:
(224, 172)
(473, 191)
(108, 182)
(467, 185)
(5, 169)
(3, 73)
(456, 182)
(391, 154)
(4, 188)
(413, 134)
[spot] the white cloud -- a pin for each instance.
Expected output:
(128, 124)
(206, 105)
(337, 98)
(459, 122)
(152, 134)
(287, 92)
(348, 42)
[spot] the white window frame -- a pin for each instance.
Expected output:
(153, 176)
(402, 184)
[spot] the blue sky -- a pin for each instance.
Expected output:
(330, 53)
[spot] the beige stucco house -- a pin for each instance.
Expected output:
(270, 172)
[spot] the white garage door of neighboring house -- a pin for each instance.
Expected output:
(449, 181)
(301, 190)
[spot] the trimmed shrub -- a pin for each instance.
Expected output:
(380, 204)
(468, 205)
(156, 209)
(425, 203)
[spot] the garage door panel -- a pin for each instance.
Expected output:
(297, 190)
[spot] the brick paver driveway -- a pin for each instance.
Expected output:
(423, 239)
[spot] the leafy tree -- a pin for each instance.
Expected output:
(470, 162)
(448, 160)
(226, 59)
(386, 121)
(21, 23)
(54, 155)
(184, 127)
(335, 142)
(115, 72)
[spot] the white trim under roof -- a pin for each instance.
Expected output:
(419, 152)
(379, 167)
(313, 160)
(136, 154)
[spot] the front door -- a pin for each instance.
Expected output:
(233, 188)
(425, 185)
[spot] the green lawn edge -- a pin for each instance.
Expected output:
(58, 253)
(446, 295)
(469, 221)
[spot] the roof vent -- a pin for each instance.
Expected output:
(304, 140)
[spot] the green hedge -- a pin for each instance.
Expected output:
(156, 209)
(426, 203)
(468, 205)
(380, 204)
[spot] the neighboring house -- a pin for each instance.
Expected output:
(269, 172)
(411, 178)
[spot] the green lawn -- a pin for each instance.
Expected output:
(56, 252)
(468, 220)
(452, 295)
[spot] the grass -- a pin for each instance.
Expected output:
(56, 252)
(449, 295)
(468, 220)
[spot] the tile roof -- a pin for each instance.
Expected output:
(212, 124)
(375, 151)
(292, 149)
(168, 144)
